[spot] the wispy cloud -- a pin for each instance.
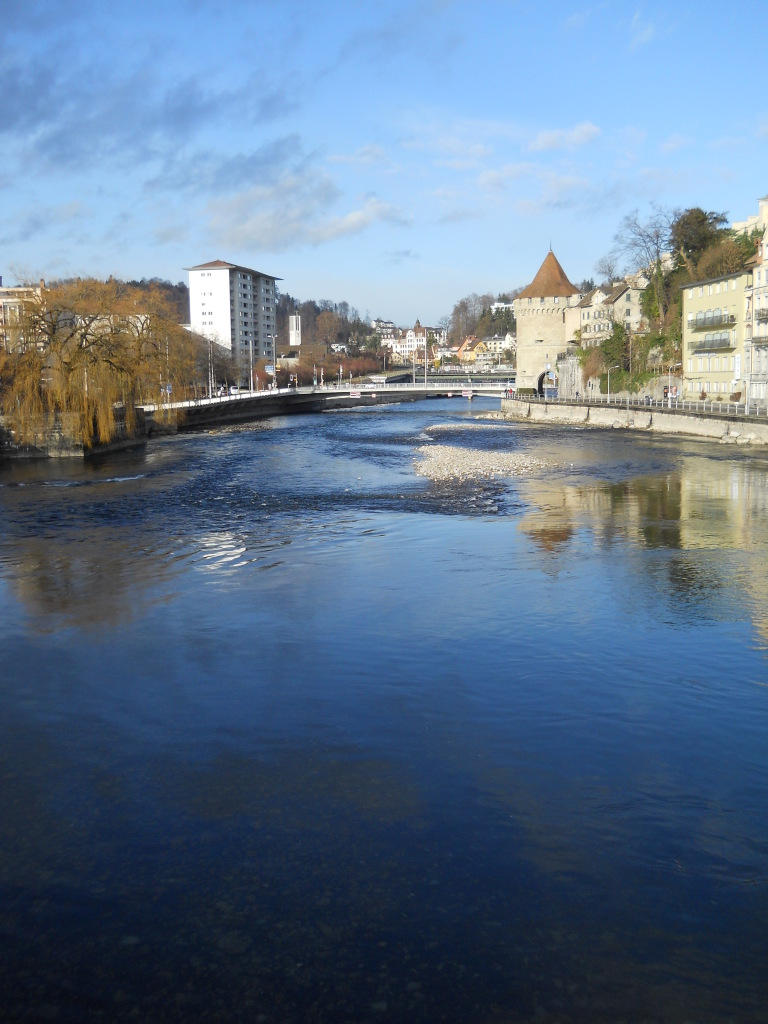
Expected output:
(203, 171)
(365, 156)
(675, 142)
(41, 219)
(577, 19)
(641, 31)
(558, 192)
(497, 179)
(458, 215)
(565, 138)
(57, 120)
(402, 255)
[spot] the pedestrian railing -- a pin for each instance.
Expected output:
(699, 407)
(342, 390)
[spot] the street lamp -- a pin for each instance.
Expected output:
(616, 367)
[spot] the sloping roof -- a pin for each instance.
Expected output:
(213, 263)
(589, 298)
(618, 291)
(550, 280)
(222, 264)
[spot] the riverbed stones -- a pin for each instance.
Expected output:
(442, 462)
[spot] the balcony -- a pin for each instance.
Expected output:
(713, 342)
(706, 320)
(761, 314)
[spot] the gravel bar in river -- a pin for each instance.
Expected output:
(447, 462)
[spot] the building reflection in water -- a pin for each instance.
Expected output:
(705, 506)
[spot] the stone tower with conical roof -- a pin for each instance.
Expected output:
(543, 326)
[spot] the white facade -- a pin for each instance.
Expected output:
(412, 341)
(603, 307)
(11, 306)
(384, 327)
(294, 330)
(499, 344)
(236, 307)
(757, 311)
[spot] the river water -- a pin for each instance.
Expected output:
(289, 733)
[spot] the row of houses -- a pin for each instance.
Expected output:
(725, 324)
(410, 343)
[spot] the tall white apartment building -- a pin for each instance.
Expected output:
(236, 307)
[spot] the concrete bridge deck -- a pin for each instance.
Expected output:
(247, 405)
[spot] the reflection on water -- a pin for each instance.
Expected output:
(292, 734)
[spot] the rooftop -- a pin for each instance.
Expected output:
(551, 280)
(223, 265)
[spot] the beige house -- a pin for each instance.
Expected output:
(603, 307)
(543, 329)
(715, 318)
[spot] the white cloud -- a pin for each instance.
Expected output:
(355, 221)
(291, 213)
(565, 138)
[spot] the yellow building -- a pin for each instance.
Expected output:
(714, 333)
(472, 350)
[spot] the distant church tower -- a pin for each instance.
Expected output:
(543, 328)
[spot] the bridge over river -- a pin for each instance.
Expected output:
(248, 405)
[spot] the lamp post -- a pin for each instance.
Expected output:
(616, 367)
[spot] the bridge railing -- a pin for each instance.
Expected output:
(454, 387)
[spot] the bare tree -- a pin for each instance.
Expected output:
(607, 268)
(645, 243)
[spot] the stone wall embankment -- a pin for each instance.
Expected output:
(728, 430)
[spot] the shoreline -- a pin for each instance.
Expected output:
(731, 431)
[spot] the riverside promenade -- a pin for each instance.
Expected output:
(729, 423)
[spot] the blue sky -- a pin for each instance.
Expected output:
(394, 155)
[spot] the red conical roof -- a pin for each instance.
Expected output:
(550, 280)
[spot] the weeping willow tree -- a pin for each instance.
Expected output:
(86, 354)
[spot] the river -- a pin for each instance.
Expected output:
(290, 733)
